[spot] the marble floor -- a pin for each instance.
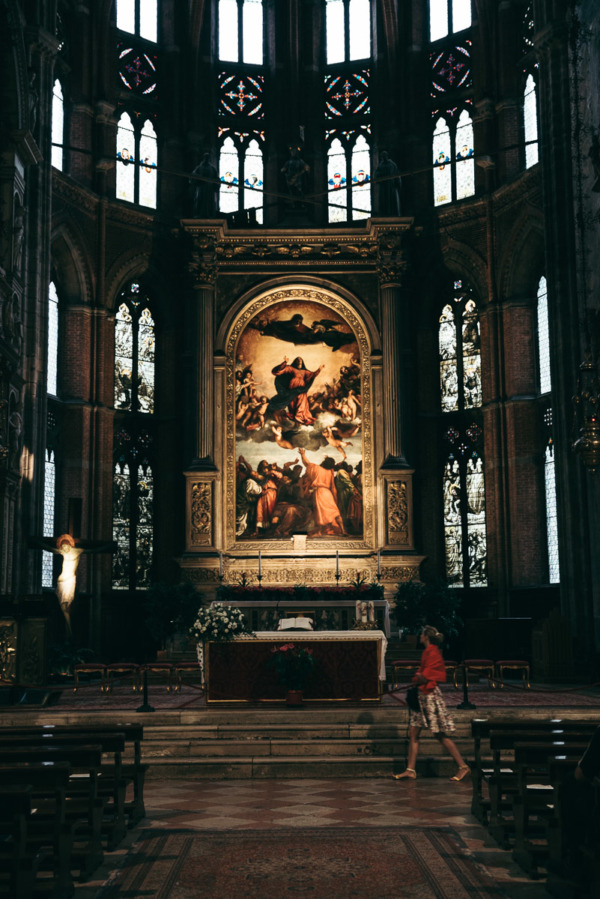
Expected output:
(267, 804)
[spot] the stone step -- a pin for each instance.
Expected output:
(293, 767)
(315, 732)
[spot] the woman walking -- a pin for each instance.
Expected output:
(432, 713)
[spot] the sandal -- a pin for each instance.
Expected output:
(408, 774)
(461, 773)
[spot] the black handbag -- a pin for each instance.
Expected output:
(412, 699)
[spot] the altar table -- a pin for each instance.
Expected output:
(349, 665)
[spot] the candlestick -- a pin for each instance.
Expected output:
(378, 564)
(220, 564)
(337, 566)
(259, 563)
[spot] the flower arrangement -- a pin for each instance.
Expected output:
(293, 664)
(219, 623)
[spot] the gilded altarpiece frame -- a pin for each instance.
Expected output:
(303, 319)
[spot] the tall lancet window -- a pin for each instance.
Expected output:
(463, 479)
(530, 122)
(58, 126)
(137, 68)
(447, 17)
(347, 109)
(50, 455)
(133, 472)
(545, 389)
(241, 111)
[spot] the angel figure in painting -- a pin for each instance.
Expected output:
(334, 440)
(292, 383)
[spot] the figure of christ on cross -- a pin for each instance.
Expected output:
(71, 550)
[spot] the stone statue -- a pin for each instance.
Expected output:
(294, 171)
(205, 189)
(388, 181)
(15, 429)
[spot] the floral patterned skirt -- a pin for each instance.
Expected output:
(433, 714)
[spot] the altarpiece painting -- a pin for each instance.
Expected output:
(298, 386)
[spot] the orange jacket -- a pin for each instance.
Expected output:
(432, 668)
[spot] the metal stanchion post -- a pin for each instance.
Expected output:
(465, 704)
(145, 707)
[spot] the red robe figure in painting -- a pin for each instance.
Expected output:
(292, 383)
(268, 477)
(320, 484)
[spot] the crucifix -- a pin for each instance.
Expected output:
(71, 549)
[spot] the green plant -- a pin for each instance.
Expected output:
(434, 602)
(293, 664)
(169, 608)
(219, 623)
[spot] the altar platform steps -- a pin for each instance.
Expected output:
(252, 750)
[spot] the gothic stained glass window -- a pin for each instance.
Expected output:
(134, 352)
(347, 94)
(52, 343)
(241, 95)
(136, 183)
(543, 337)
(241, 31)
(448, 17)
(530, 123)
(58, 126)
(451, 69)
(465, 162)
(229, 175)
(253, 178)
(528, 30)
(147, 169)
(138, 17)
(137, 70)
(133, 509)
(125, 159)
(463, 484)
(49, 504)
(442, 175)
(361, 177)
(347, 30)
(337, 182)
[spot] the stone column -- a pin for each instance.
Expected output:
(203, 269)
(395, 329)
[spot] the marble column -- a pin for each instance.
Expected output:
(395, 329)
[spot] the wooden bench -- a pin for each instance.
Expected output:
(133, 771)
(83, 807)
(19, 861)
(48, 831)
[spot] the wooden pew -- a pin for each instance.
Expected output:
(48, 831)
(483, 768)
(134, 772)
(19, 862)
(111, 784)
(83, 807)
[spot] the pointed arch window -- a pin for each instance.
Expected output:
(545, 390)
(463, 479)
(138, 17)
(241, 32)
(530, 122)
(448, 17)
(241, 173)
(133, 466)
(349, 176)
(58, 126)
(137, 161)
(453, 158)
(134, 352)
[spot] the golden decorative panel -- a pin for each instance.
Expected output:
(201, 513)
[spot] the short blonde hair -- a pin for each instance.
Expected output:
(433, 634)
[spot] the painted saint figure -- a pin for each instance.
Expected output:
(292, 383)
(320, 484)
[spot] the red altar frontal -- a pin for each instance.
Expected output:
(349, 666)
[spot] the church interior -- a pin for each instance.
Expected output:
(345, 374)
